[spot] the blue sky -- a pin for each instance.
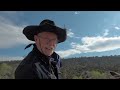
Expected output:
(89, 33)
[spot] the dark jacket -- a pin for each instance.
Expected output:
(38, 66)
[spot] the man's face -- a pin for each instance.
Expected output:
(46, 42)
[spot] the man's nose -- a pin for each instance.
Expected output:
(51, 43)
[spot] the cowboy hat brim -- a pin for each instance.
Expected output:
(30, 31)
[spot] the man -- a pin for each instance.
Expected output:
(42, 62)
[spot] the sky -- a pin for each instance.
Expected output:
(89, 33)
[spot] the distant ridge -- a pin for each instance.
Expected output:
(10, 58)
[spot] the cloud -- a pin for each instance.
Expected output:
(92, 44)
(67, 53)
(11, 34)
(100, 44)
(15, 16)
(77, 12)
(117, 28)
(78, 47)
(70, 33)
(106, 32)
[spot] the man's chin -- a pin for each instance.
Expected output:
(48, 54)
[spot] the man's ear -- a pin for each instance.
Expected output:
(35, 38)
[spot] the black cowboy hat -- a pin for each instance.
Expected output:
(45, 26)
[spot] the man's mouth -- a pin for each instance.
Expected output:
(48, 48)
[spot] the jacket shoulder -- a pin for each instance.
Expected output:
(24, 69)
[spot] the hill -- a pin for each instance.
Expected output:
(74, 68)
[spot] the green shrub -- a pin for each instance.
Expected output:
(98, 75)
(6, 71)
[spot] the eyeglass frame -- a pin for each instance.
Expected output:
(49, 40)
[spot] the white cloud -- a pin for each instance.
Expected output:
(106, 32)
(78, 47)
(10, 34)
(70, 33)
(15, 16)
(100, 44)
(92, 44)
(117, 28)
(77, 12)
(67, 53)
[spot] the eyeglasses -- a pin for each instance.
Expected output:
(49, 40)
